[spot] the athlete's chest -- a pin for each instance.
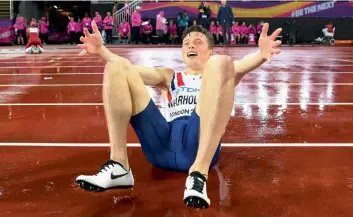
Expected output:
(183, 84)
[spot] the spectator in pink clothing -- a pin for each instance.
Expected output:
(43, 25)
(136, 22)
(79, 30)
(108, 27)
(124, 31)
(146, 31)
(172, 31)
(71, 30)
(236, 32)
(252, 29)
(244, 33)
(20, 28)
(219, 32)
(87, 23)
(259, 30)
(213, 30)
(161, 27)
(99, 21)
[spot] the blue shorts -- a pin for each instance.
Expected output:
(168, 145)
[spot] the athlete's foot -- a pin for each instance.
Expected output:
(195, 194)
(111, 176)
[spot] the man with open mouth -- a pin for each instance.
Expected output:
(200, 99)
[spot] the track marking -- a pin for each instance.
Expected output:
(228, 145)
(162, 104)
(101, 73)
(242, 83)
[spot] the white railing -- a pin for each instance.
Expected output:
(11, 9)
(125, 12)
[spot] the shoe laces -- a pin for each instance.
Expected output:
(197, 181)
(106, 167)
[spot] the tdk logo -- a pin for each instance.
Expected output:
(189, 90)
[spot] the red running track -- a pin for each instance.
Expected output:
(302, 97)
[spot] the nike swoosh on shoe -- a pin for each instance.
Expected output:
(112, 176)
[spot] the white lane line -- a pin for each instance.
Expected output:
(101, 73)
(242, 83)
(162, 104)
(223, 144)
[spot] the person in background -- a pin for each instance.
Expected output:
(205, 16)
(161, 27)
(124, 31)
(236, 32)
(252, 29)
(183, 23)
(213, 31)
(20, 28)
(328, 29)
(87, 22)
(244, 33)
(136, 25)
(202, 5)
(44, 30)
(33, 23)
(71, 30)
(225, 17)
(219, 32)
(99, 21)
(194, 22)
(252, 33)
(172, 31)
(108, 28)
(146, 31)
(259, 30)
(79, 30)
(34, 44)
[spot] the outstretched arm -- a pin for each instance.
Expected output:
(267, 47)
(93, 44)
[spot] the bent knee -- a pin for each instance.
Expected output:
(222, 65)
(118, 65)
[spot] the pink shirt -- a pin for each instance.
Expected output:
(124, 28)
(79, 27)
(159, 21)
(147, 27)
(172, 29)
(44, 27)
(219, 30)
(108, 22)
(87, 23)
(213, 28)
(244, 30)
(98, 20)
(259, 28)
(252, 30)
(235, 29)
(136, 19)
(71, 27)
(20, 24)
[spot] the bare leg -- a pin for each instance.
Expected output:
(217, 87)
(124, 95)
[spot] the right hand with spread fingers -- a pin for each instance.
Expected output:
(92, 43)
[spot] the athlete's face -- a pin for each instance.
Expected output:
(196, 51)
